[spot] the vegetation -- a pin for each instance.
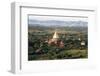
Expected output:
(72, 37)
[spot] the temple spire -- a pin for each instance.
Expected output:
(55, 35)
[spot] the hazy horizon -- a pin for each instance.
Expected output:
(56, 21)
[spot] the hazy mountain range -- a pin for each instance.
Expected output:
(57, 23)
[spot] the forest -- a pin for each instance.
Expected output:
(71, 44)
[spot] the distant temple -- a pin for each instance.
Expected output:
(56, 40)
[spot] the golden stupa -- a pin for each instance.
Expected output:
(55, 36)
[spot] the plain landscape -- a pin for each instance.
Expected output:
(57, 39)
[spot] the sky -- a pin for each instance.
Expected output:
(44, 18)
(51, 21)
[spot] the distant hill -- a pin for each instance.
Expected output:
(57, 23)
(64, 28)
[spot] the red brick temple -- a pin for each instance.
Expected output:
(56, 40)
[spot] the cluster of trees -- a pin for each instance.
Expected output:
(38, 48)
